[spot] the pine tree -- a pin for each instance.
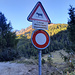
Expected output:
(8, 41)
(7, 37)
(71, 26)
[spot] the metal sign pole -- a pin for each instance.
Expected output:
(39, 62)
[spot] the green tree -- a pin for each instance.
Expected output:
(71, 26)
(7, 35)
(8, 41)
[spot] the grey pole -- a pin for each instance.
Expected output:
(39, 62)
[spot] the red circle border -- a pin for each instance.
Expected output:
(34, 40)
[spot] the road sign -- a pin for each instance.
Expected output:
(39, 14)
(40, 39)
(40, 20)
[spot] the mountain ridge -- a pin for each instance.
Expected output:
(26, 30)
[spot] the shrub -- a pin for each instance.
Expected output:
(69, 69)
(8, 54)
(43, 61)
(49, 61)
(72, 73)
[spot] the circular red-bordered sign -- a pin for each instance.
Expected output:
(40, 39)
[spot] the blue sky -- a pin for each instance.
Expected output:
(17, 11)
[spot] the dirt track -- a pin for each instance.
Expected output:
(17, 69)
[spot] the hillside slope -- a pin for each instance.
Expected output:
(58, 40)
(31, 67)
(52, 30)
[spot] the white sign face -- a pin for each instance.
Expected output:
(40, 39)
(39, 14)
(40, 25)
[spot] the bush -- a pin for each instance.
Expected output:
(69, 69)
(43, 61)
(72, 73)
(49, 61)
(65, 58)
(8, 55)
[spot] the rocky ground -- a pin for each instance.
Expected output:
(8, 68)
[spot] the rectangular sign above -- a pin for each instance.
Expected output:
(39, 25)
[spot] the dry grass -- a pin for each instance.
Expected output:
(56, 57)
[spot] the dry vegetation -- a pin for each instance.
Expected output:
(25, 66)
